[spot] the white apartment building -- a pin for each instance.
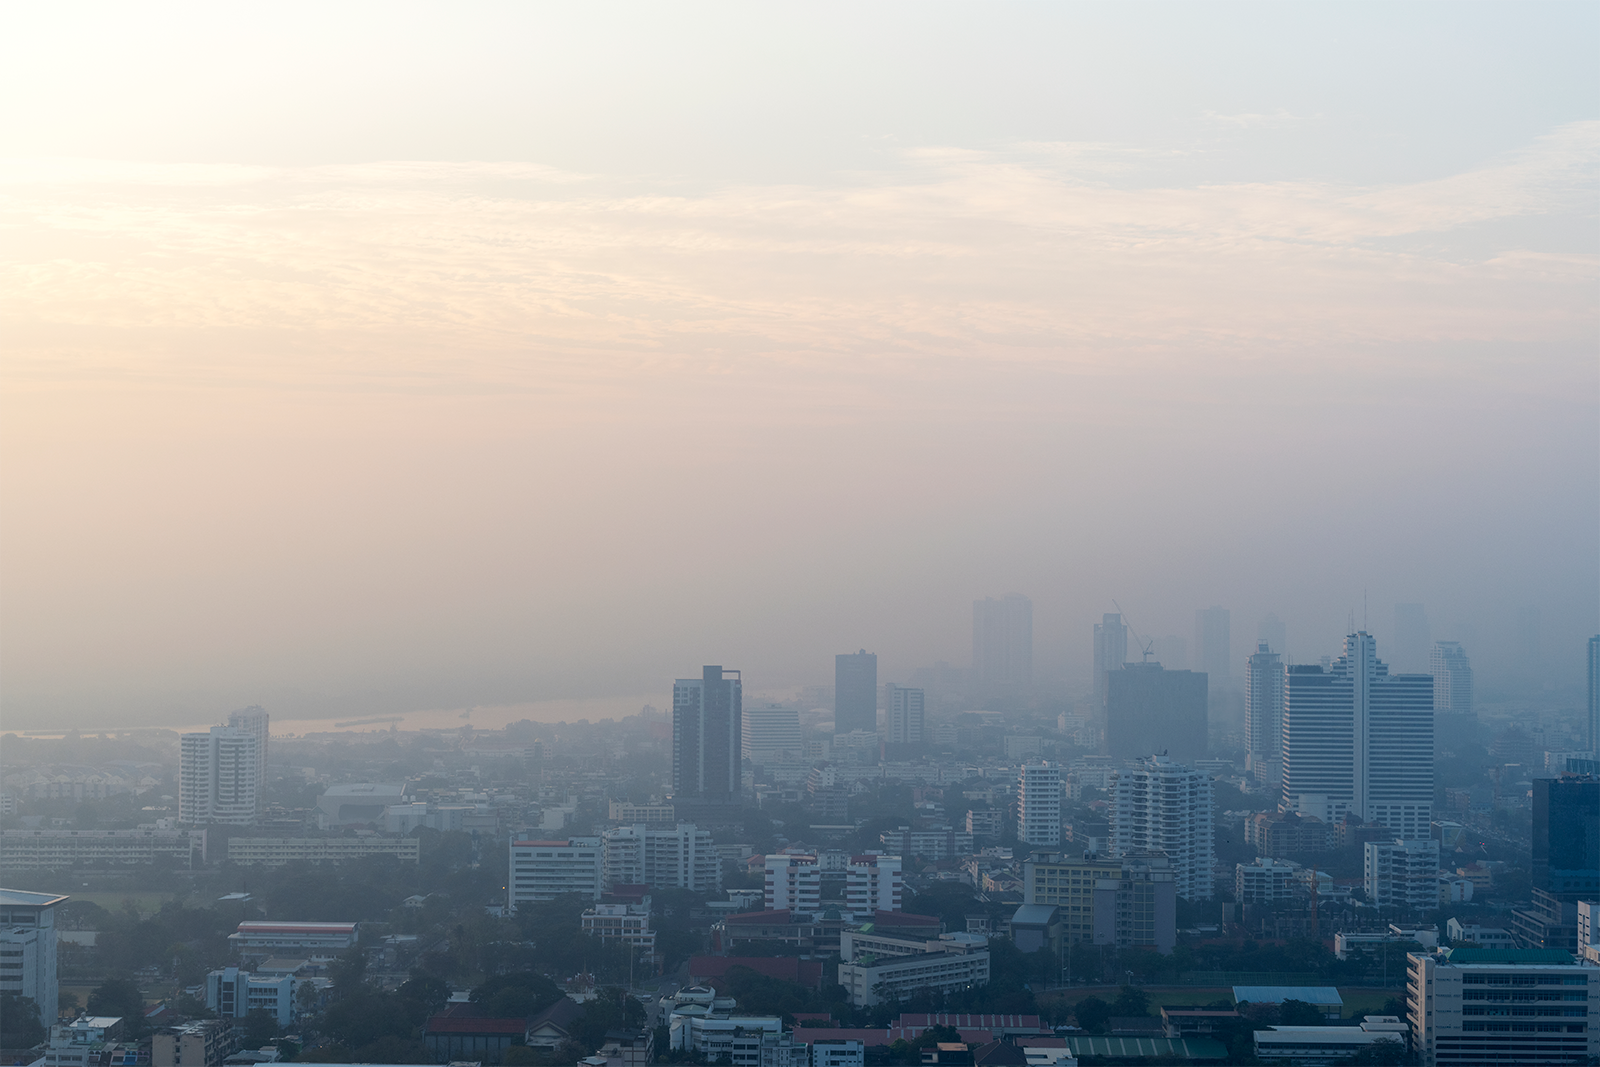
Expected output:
(87, 1040)
(627, 812)
(1483, 936)
(794, 882)
(905, 721)
(873, 882)
(1266, 881)
(28, 948)
(219, 777)
(930, 842)
(627, 923)
(1452, 678)
(1489, 1007)
(1039, 805)
(255, 721)
(838, 1052)
(771, 733)
(1159, 805)
(679, 858)
(1359, 740)
(545, 870)
(1402, 873)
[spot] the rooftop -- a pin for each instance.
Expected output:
(1546, 957)
(21, 898)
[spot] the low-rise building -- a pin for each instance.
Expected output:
(984, 823)
(86, 1041)
(198, 1044)
(234, 994)
(1283, 833)
(48, 850)
(307, 941)
(838, 1052)
(622, 811)
(277, 851)
(1321, 1046)
(28, 947)
(625, 923)
(1347, 942)
(939, 842)
(1482, 936)
(874, 968)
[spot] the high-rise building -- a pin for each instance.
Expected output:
(254, 721)
(873, 882)
(794, 882)
(1452, 679)
(771, 733)
(218, 777)
(707, 737)
(1594, 696)
(680, 858)
(1412, 639)
(1566, 836)
(1161, 805)
(1039, 805)
(904, 719)
(1358, 740)
(1150, 709)
(1002, 643)
(1213, 634)
(1402, 873)
(1263, 714)
(855, 692)
(1110, 652)
(28, 943)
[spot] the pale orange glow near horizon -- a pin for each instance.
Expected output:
(345, 430)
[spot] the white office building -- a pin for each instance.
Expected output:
(1159, 805)
(1452, 679)
(874, 968)
(626, 923)
(771, 734)
(1358, 740)
(545, 870)
(1039, 805)
(1402, 873)
(680, 858)
(1263, 715)
(873, 882)
(794, 882)
(905, 722)
(28, 948)
(1489, 1007)
(219, 777)
(234, 994)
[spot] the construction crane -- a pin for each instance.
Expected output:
(1144, 646)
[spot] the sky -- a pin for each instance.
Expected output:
(373, 358)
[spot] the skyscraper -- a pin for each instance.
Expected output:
(1359, 740)
(1263, 714)
(855, 692)
(904, 717)
(254, 721)
(707, 728)
(1412, 638)
(1002, 643)
(1213, 634)
(1161, 805)
(1110, 652)
(1452, 679)
(1594, 696)
(218, 772)
(1150, 709)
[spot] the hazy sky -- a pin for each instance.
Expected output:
(400, 356)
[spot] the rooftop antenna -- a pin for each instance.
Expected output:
(1144, 646)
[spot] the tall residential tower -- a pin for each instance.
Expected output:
(855, 692)
(707, 722)
(1263, 714)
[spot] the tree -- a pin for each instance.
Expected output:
(1092, 1013)
(1130, 1002)
(515, 996)
(1299, 1013)
(19, 1021)
(119, 997)
(259, 1027)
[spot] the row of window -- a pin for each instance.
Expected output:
(1525, 979)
